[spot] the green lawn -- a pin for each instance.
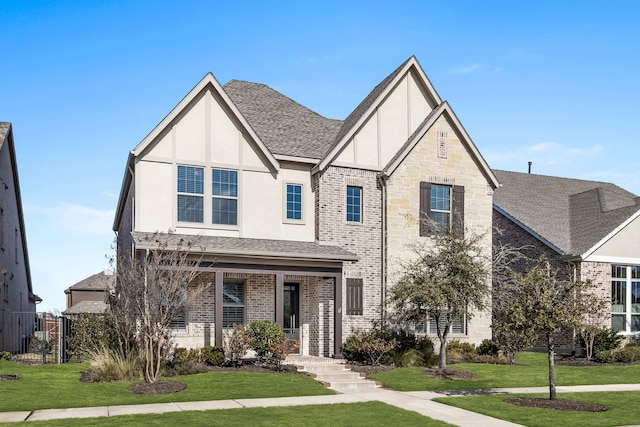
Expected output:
(355, 414)
(58, 386)
(623, 409)
(530, 371)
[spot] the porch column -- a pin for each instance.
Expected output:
(279, 298)
(337, 317)
(217, 300)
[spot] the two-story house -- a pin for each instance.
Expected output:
(17, 300)
(302, 219)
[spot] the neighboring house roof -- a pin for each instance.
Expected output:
(286, 127)
(87, 307)
(6, 140)
(98, 282)
(572, 215)
(244, 247)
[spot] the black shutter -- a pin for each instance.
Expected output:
(354, 297)
(458, 210)
(425, 208)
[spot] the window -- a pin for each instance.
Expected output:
(458, 326)
(179, 321)
(625, 298)
(232, 303)
(354, 297)
(441, 207)
(190, 194)
(294, 202)
(354, 204)
(225, 196)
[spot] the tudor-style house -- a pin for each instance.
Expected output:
(591, 227)
(302, 219)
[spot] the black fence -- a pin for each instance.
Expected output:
(34, 337)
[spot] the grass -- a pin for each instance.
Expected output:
(356, 414)
(622, 409)
(58, 386)
(530, 371)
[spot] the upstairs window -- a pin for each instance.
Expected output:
(294, 202)
(354, 204)
(225, 196)
(441, 207)
(190, 194)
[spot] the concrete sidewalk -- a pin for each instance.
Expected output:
(419, 401)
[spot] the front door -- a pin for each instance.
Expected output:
(291, 309)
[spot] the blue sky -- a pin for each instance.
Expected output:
(83, 82)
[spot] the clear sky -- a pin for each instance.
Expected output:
(83, 82)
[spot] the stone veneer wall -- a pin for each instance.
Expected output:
(457, 167)
(363, 239)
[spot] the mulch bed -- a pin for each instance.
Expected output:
(9, 377)
(449, 374)
(559, 404)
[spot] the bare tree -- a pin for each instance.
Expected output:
(154, 287)
(448, 280)
(593, 320)
(545, 301)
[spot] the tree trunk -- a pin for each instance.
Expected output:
(443, 347)
(552, 369)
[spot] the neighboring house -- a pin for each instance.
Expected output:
(303, 219)
(89, 295)
(590, 226)
(17, 300)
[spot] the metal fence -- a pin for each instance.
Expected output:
(33, 337)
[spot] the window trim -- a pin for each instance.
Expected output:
(628, 281)
(236, 198)
(456, 201)
(346, 199)
(285, 210)
(188, 194)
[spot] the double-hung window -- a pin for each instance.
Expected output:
(441, 208)
(232, 303)
(225, 196)
(625, 298)
(354, 204)
(294, 202)
(190, 194)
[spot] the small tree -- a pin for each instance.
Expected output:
(592, 322)
(447, 280)
(546, 301)
(152, 289)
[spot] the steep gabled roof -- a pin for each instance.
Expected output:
(571, 214)
(372, 101)
(446, 110)
(286, 127)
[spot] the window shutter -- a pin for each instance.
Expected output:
(425, 207)
(458, 209)
(354, 297)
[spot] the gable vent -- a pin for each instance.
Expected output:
(442, 144)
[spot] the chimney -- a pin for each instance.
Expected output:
(530, 167)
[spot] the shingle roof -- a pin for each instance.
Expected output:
(286, 127)
(571, 214)
(238, 246)
(97, 282)
(87, 307)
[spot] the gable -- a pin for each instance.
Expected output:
(622, 245)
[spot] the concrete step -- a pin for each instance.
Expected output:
(338, 376)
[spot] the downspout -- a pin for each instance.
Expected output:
(574, 268)
(383, 248)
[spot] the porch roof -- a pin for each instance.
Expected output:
(245, 247)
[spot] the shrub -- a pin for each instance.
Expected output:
(488, 348)
(213, 356)
(5, 355)
(406, 358)
(236, 345)
(607, 339)
(263, 334)
(628, 354)
(89, 334)
(605, 356)
(367, 347)
(109, 365)
(281, 348)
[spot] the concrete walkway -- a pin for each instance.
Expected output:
(418, 401)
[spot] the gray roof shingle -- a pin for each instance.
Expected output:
(572, 214)
(87, 307)
(239, 246)
(285, 127)
(97, 282)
